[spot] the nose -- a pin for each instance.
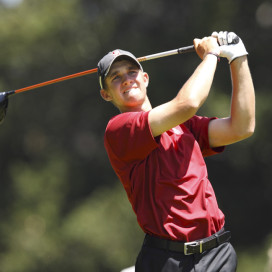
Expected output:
(126, 80)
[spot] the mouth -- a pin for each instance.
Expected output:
(129, 90)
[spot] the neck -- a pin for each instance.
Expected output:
(146, 106)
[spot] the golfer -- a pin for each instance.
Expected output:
(158, 155)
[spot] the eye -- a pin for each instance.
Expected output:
(133, 72)
(115, 78)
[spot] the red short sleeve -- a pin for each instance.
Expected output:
(128, 136)
(198, 126)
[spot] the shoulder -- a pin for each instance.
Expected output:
(199, 127)
(197, 121)
(127, 120)
(128, 136)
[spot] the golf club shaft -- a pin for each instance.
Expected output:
(52, 81)
(181, 50)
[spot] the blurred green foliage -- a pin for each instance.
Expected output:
(61, 205)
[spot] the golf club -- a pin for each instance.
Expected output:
(5, 95)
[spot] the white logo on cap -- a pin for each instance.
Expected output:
(116, 52)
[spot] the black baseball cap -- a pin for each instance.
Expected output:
(106, 62)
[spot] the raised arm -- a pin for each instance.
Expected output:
(241, 122)
(192, 94)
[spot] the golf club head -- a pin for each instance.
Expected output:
(3, 106)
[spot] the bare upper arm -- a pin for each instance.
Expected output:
(169, 115)
(222, 132)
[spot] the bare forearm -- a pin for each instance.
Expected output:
(243, 98)
(197, 88)
(188, 100)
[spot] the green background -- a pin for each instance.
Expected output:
(61, 206)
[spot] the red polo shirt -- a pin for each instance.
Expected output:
(165, 177)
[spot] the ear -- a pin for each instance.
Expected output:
(146, 79)
(105, 95)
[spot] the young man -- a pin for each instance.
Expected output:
(157, 153)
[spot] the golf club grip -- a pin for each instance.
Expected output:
(186, 49)
(235, 40)
(181, 50)
(191, 48)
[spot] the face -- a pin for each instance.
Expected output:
(125, 86)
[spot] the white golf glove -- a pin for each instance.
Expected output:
(231, 46)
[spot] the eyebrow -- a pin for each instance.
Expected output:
(111, 75)
(130, 67)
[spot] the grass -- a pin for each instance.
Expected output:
(253, 260)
